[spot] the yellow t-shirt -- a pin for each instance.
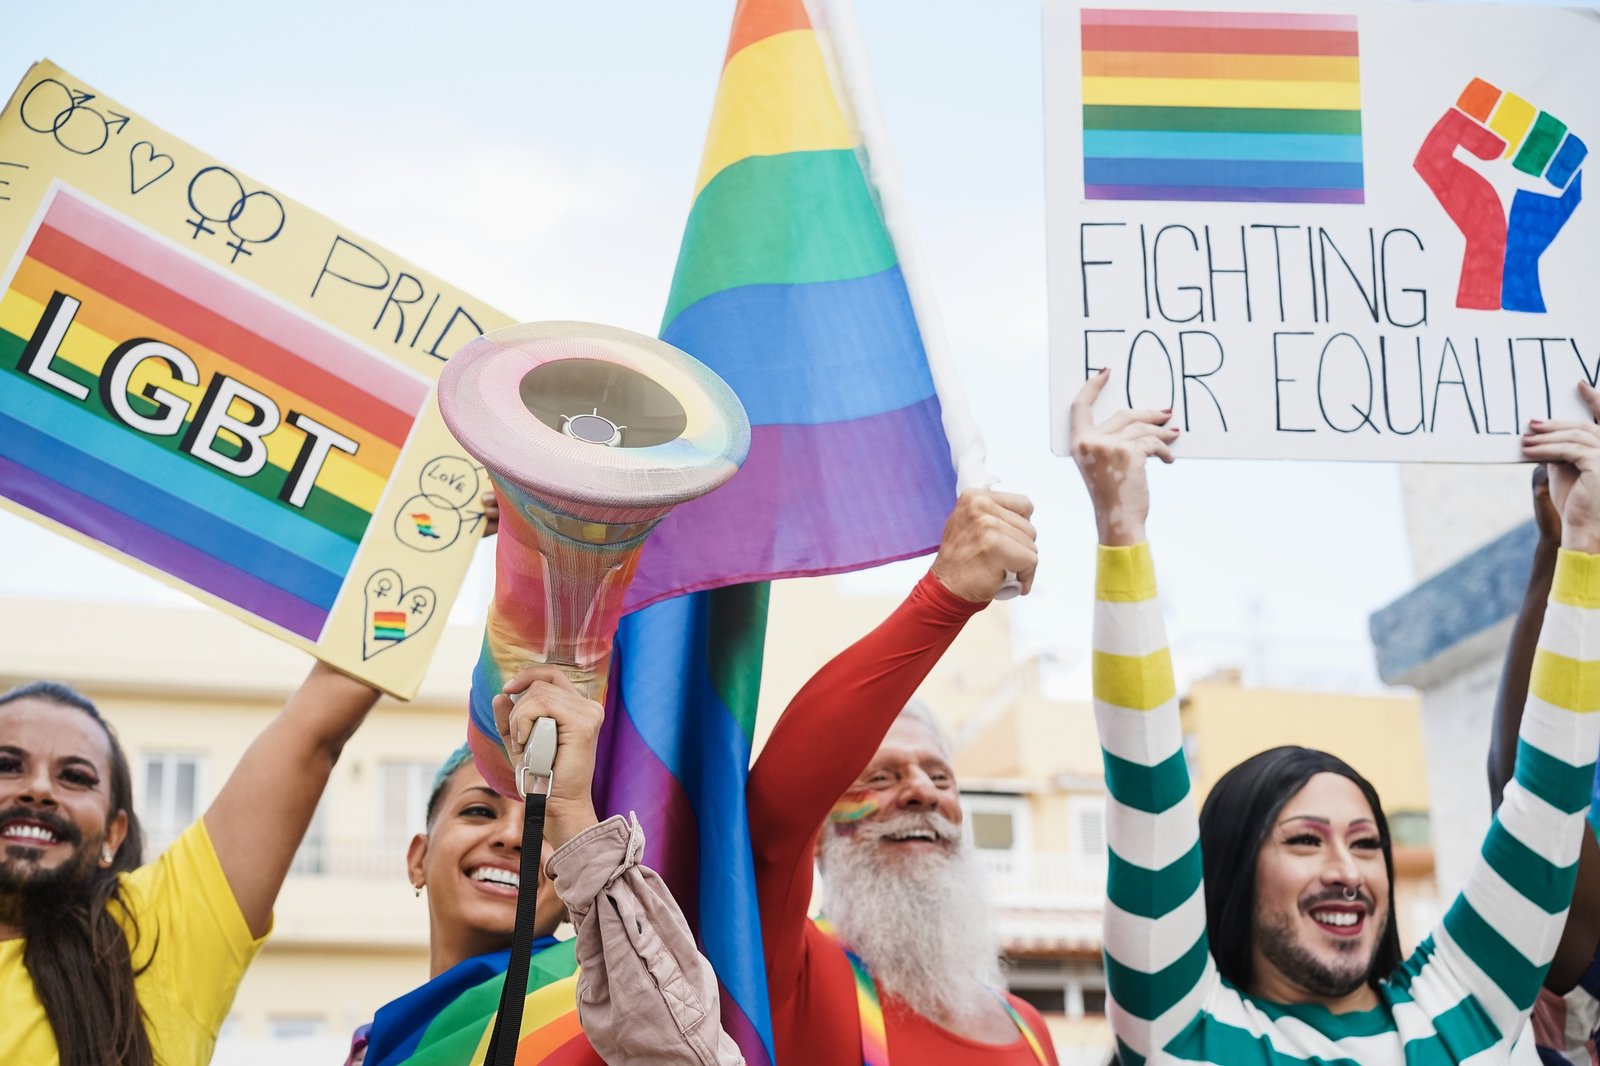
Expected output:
(195, 940)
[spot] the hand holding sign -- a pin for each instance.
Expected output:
(1571, 449)
(1111, 458)
(1500, 268)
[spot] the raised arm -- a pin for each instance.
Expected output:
(1500, 935)
(1580, 940)
(831, 729)
(1158, 969)
(258, 819)
(1524, 639)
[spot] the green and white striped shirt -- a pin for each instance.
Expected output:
(1465, 992)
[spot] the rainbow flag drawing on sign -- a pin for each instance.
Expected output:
(165, 411)
(389, 625)
(424, 524)
(1221, 106)
(789, 286)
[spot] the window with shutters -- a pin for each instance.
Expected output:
(173, 783)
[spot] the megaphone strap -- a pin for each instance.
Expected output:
(513, 994)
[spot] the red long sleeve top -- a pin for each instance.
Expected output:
(824, 739)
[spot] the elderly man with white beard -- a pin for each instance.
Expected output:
(907, 963)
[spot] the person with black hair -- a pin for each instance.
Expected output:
(106, 960)
(1566, 1019)
(1263, 930)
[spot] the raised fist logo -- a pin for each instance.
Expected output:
(1500, 268)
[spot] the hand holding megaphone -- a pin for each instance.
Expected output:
(551, 731)
(590, 435)
(988, 544)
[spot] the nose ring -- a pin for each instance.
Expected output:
(1350, 894)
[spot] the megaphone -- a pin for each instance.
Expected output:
(591, 435)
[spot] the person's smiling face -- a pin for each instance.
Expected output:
(55, 793)
(470, 860)
(906, 801)
(1322, 895)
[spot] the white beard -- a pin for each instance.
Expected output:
(921, 922)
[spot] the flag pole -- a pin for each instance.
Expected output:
(846, 56)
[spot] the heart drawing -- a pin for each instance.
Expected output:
(147, 167)
(393, 614)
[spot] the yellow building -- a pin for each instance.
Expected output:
(1380, 736)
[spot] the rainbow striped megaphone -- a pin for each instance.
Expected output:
(591, 435)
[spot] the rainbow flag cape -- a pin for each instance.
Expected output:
(789, 286)
(447, 1021)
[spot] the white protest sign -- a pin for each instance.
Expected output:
(1345, 231)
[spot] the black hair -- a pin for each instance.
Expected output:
(53, 692)
(1238, 814)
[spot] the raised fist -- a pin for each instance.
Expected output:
(1500, 268)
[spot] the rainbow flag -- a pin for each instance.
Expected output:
(1221, 106)
(790, 287)
(164, 407)
(448, 1021)
(424, 524)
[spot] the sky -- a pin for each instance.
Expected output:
(542, 157)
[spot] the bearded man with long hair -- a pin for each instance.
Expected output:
(905, 967)
(106, 960)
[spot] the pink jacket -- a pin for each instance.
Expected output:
(645, 993)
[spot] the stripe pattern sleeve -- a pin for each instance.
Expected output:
(1500, 934)
(1159, 970)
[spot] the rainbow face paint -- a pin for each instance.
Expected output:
(847, 812)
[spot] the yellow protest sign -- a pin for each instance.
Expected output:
(225, 389)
